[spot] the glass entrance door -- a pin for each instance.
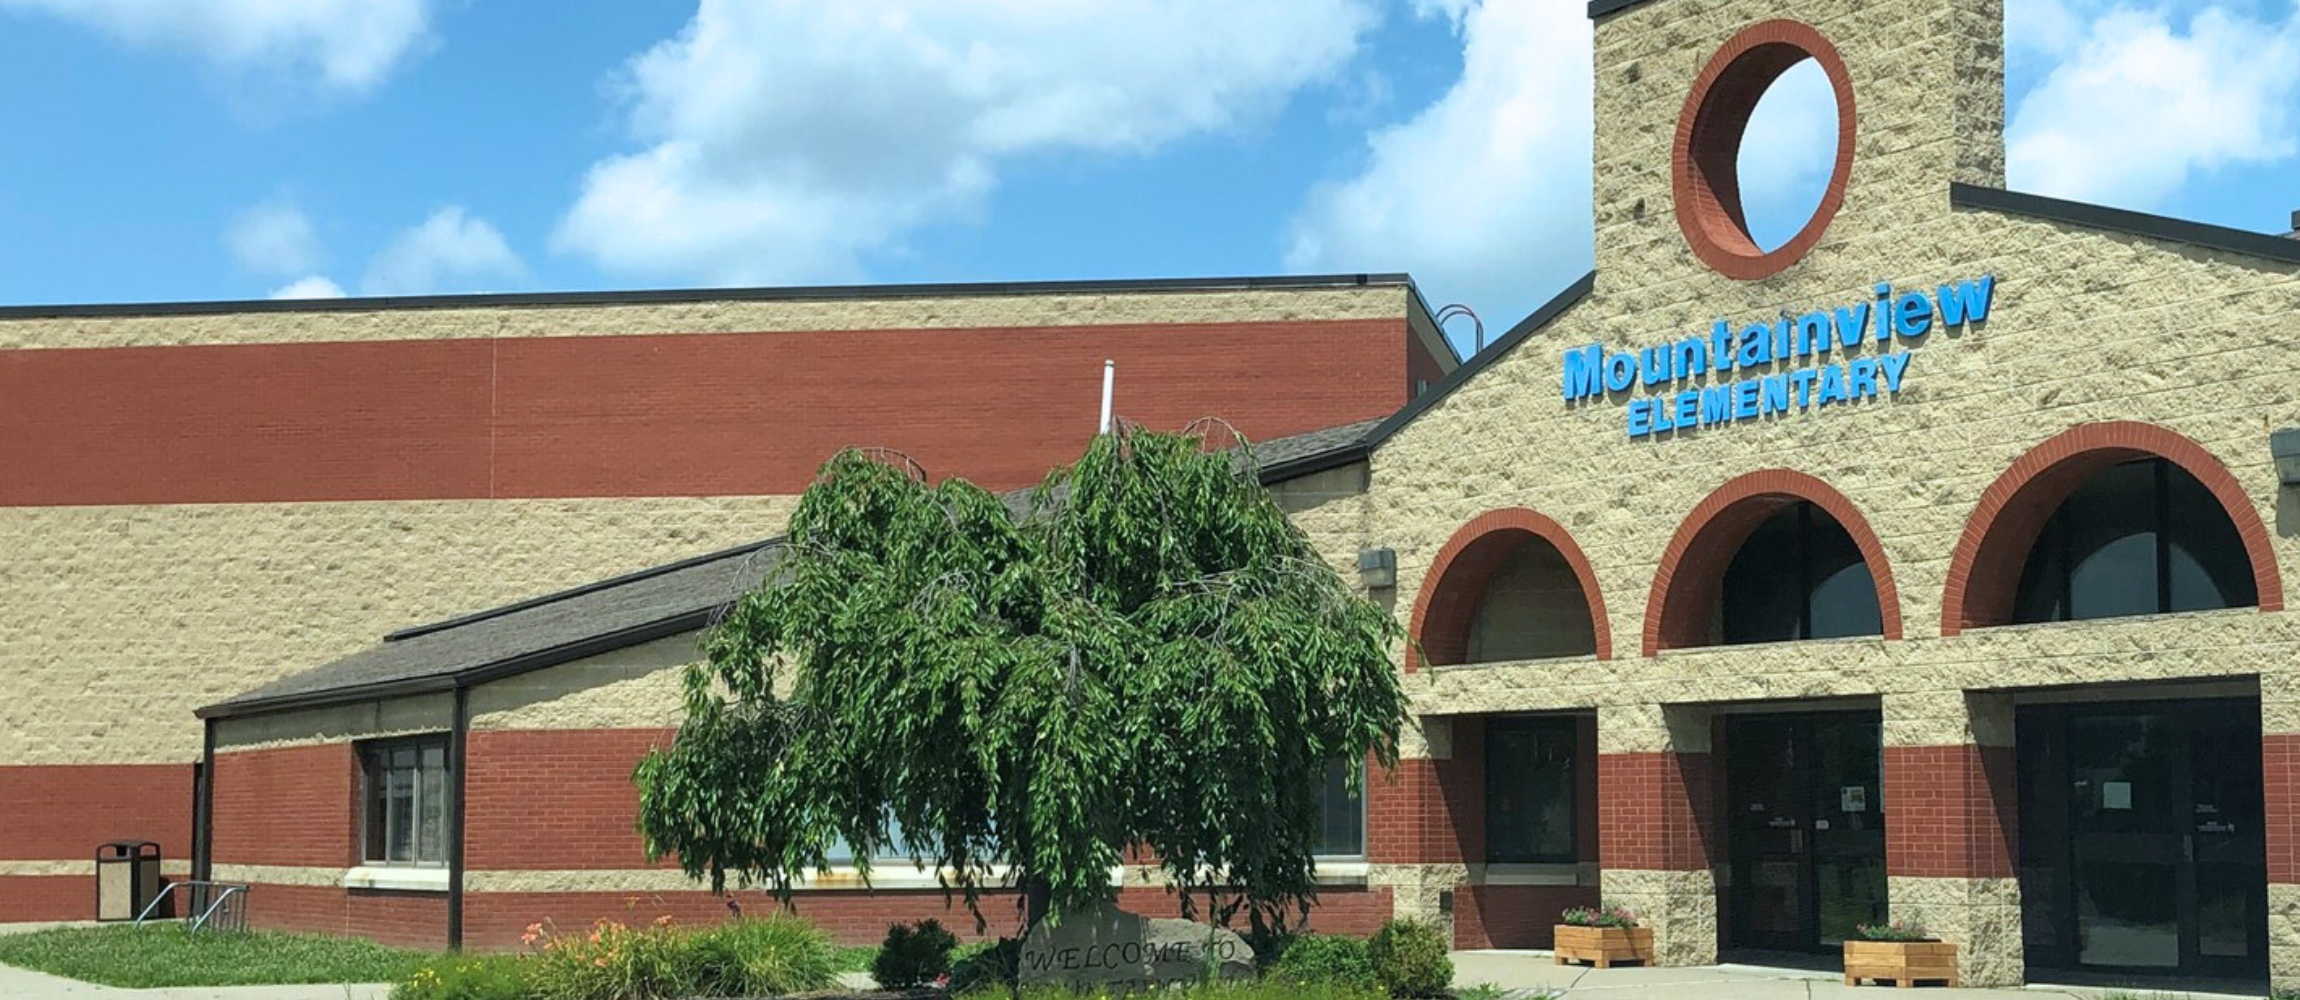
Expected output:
(2161, 866)
(1806, 830)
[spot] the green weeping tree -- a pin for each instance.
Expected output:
(1143, 656)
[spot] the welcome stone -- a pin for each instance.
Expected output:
(1126, 951)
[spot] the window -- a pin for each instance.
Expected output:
(1531, 791)
(405, 801)
(1342, 832)
(1799, 576)
(2136, 539)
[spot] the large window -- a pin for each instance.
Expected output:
(1799, 576)
(2136, 539)
(405, 801)
(1343, 834)
(1531, 790)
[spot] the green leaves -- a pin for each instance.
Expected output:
(1144, 653)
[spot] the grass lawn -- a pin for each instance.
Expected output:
(856, 959)
(163, 955)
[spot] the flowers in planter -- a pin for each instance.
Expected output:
(1898, 930)
(1598, 916)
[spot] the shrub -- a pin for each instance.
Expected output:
(1313, 959)
(986, 965)
(1409, 959)
(465, 977)
(614, 962)
(913, 955)
(1608, 916)
(764, 957)
(1898, 930)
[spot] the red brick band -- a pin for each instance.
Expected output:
(61, 812)
(1951, 811)
(735, 414)
(1705, 162)
(2280, 771)
(1691, 577)
(1657, 811)
(288, 806)
(1451, 592)
(1984, 572)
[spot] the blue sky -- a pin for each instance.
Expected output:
(248, 148)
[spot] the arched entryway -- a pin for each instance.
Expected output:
(2106, 520)
(1510, 585)
(1771, 556)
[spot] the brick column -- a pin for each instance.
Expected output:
(1951, 833)
(1657, 830)
(2280, 778)
(1425, 819)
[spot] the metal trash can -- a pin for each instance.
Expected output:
(127, 878)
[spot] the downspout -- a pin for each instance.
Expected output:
(204, 808)
(457, 742)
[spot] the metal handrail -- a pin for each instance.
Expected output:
(219, 910)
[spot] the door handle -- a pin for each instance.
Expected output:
(1797, 841)
(2188, 847)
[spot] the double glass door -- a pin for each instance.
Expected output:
(1805, 830)
(2143, 847)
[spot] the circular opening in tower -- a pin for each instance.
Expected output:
(1764, 149)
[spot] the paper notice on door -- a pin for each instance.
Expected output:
(2116, 795)
(1853, 799)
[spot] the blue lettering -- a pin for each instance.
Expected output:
(1893, 365)
(1692, 357)
(1689, 408)
(1745, 400)
(1863, 375)
(1812, 334)
(1852, 325)
(1653, 365)
(1912, 315)
(1584, 372)
(1774, 398)
(1720, 347)
(1803, 377)
(1755, 347)
(1884, 319)
(1716, 405)
(1832, 385)
(1967, 301)
(1640, 418)
(1620, 371)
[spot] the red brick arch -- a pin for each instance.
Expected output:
(1691, 576)
(1457, 580)
(1985, 570)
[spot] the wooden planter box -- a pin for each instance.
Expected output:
(1901, 963)
(1603, 946)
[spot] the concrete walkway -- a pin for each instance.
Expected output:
(1534, 974)
(24, 984)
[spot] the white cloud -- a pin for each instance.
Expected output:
(1787, 154)
(312, 287)
(274, 238)
(789, 139)
(346, 44)
(1484, 194)
(452, 251)
(2143, 99)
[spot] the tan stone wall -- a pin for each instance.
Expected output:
(937, 312)
(634, 688)
(116, 622)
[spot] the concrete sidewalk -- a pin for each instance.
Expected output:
(24, 984)
(1534, 974)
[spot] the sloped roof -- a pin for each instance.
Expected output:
(598, 617)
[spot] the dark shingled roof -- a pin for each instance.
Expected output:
(607, 615)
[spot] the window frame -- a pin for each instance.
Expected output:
(1361, 853)
(2048, 571)
(372, 759)
(1570, 727)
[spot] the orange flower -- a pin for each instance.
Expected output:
(601, 961)
(663, 921)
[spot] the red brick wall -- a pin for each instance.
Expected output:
(60, 813)
(1951, 811)
(2280, 771)
(542, 799)
(1430, 811)
(1656, 811)
(1514, 916)
(410, 919)
(664, 415)
(287, 806)
(1422, 367)
(48, 897)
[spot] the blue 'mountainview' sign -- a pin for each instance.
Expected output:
(1904, 317)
